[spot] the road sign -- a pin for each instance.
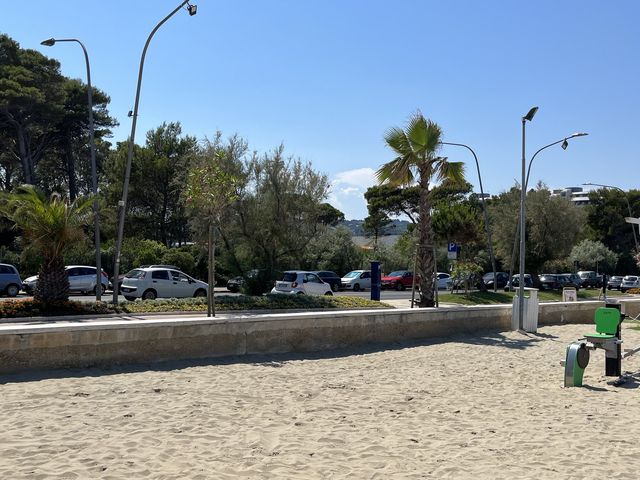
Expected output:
(452, 247)
(632, 220)
(452, 255)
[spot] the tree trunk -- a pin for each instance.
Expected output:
(71, 168)
(425, 260)
(27, 165)
(53, 282)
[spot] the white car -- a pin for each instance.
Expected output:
(153, 282)
(82, 279)
(630, 281)
(444, 281)
(301, 282)
(356, 280)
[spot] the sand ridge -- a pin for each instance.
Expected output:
(484, 406)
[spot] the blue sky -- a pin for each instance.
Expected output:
(328, 78)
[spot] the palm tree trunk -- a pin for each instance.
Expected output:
(425, 262)
(53, 282)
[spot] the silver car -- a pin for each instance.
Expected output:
(630, 281)
(82, 279)
(152, 282)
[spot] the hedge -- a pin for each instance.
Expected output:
(31, 308)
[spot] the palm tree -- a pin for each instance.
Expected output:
(50, 226)
(416, 160)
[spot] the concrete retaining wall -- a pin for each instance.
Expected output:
(112, 342)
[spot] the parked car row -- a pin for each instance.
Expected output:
(82, 279)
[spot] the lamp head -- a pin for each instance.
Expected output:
(192, 9)
(532, 113)
(578, 134)
(49, 42)
(565, 144)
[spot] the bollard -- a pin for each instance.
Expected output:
(376, 280)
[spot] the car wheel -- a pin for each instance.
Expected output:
(334, 287)
(104, 289)
(12, 290)
(149, 295)
(131, 299)
(356, 287)
(330, 294)
(399, 286)
(201, 292)
(300, 293)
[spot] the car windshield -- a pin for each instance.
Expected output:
(352, 274)
(135, 274)
(399, 273)
(547, 277)
(630, 278)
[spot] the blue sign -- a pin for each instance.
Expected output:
(452, 247)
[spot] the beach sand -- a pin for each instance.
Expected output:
(488, 406)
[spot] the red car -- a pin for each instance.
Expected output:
(399, 280)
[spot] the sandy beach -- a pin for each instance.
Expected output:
(487, 406)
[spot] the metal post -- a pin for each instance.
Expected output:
(487, 226)
(122, 204)
(523, 188)
(94, 170)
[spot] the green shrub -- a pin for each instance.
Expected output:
(30, 308)
(183, 260)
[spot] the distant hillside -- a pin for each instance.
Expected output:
(397, 227)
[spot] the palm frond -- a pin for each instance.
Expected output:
(397, 172)
(397, 140)
(452, 171)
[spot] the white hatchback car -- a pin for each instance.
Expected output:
(151, 283)
(301, 282)
(356, 280)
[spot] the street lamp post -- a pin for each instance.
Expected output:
(122, 204)
(487, 227)
(564, 145)
(525, 181)
(635, 238)
(523, 192)
(94, 173)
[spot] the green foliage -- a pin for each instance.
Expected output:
(332, 249)
(593, 255)
(553, 225)
(183, 260)
(30, 308)
(465, 273)
(329, 215)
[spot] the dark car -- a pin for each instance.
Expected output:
(558, 281)
(502, 278)
(528, 282)
(329, 277)
(235, 284)
(550, 282)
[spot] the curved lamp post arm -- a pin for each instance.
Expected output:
(94, 170)
(526, 183)
(127, 174)
(484, 208)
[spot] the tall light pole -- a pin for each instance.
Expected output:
(564, 144)
(523, 192)
(635, 238)
(94, 173)
(122, 204)
(487, 227)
